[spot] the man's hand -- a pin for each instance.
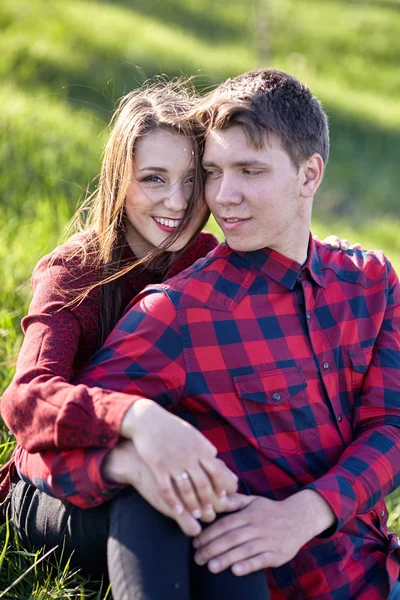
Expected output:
(263, 533)
(340, 243)
(182, 461)
(124, 465)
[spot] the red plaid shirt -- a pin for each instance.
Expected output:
(294, 374)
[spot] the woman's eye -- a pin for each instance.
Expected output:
(153, 179)
(189, 181)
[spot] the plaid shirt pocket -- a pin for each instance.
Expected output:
(277, 409)
(360, 359)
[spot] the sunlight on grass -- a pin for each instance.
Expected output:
(63, 66)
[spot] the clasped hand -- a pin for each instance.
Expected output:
(262, 532)
(188, 476)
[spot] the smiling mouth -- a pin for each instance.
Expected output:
(167, 224)
(232, 222)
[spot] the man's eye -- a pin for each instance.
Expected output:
(252, 172)
(211, 174)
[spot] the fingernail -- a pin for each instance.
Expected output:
(213, 565)
(197, 531)
(178, 509)
(196, 513)
(199, 559)
(238, 569)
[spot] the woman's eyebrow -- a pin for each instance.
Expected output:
(160, 169)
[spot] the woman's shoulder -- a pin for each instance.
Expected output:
(76, 255)
(72, 263)
(201, 245)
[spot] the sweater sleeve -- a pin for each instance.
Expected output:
(41, 407)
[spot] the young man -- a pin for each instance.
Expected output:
(282, 352)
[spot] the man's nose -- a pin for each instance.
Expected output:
(227, 192)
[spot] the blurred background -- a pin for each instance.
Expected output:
(65, 63)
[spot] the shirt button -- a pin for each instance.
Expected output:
(104, 439)
(382, 513)
(326, 366)
(276, 396)
(308, 316)
(340, 419)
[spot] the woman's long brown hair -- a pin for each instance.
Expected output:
(161, 105)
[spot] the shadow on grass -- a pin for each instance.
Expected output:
(201, 19)
(362, 178)
(386, 4)
(106, 73)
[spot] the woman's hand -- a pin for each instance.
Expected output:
(124, 465)
(182, 461)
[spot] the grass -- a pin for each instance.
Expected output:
(63, 65)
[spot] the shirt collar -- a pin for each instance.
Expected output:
(284, 270)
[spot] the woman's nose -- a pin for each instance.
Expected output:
(176, 199)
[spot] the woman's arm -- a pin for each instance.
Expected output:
(41, 407)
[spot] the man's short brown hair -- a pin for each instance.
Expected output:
(265, 102)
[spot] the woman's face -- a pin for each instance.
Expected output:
(159, 192)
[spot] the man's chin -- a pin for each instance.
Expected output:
(242, 245)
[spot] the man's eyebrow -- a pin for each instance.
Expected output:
(240, 163)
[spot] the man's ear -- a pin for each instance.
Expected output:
(312, 172)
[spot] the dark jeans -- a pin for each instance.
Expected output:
(148, 556)
(395, 594)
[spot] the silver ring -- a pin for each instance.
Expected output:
(184, 475)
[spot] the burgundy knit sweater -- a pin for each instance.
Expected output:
(41, 407)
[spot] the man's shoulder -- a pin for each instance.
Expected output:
(212, 281)
(365, 267)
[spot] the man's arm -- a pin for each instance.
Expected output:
(368, 470)
(142, 358)
(72, 475)
(89, 477)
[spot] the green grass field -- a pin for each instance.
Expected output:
(63, 65)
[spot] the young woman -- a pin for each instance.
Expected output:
(144, 224)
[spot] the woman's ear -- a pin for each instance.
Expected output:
(312, 173)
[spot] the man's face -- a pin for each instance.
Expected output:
(254, 194)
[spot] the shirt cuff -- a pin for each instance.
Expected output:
(95, 424)
(92, 488)
(340, 494)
